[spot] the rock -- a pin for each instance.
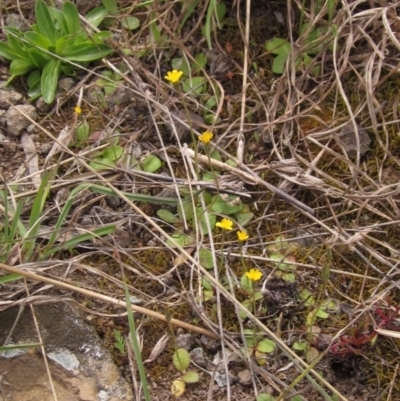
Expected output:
(16, 122)
(81, 368)
(17, 21)
(9, 96)
(347, 138)
(65, 85)
(210, 344)
(198, 357)
(185, 341)
(245, 377)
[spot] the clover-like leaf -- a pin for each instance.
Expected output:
(206, 259)
(267, 346)
(181, 359)
(190, 377)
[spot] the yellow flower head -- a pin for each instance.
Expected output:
(173, 76)
(242, 235)
(78, 110)
(206, 137)
(226, 224)
(254, 274)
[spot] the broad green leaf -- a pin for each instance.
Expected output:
(265, 397)
(206, 259)
(64, 43)
(244, 218)
(9, 52)
(206, 284)
(130, 23)
(216, 155)
(278, 65)
(49, 81)
(113, 152)
(190, 377)
(21, 66)
(186, 211)
(99, 37)
(307, 297)
(278, 46)
(322, 314)
(266, 346)
(168, 217)
(181, 239)
(289, 277)
(82, 131)
(44, 22)
(227, 205)
(181, 359)
(100, 163)
(199, 63)
(211, 102)
(39, 58)
(248, 304)
(97, 15)
(299, 345)
(85, 52)
(60, 23)
(110, 5)
(202, 219)
(151, 164)
(38, 40)
(311, 354)
(246, 284)
(194, 86)
(181, 64)
(71, 16)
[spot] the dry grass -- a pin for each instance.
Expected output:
(339, 207)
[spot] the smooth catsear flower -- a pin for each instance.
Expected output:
(254, 274)
(78, 110)
(173, 76)
(206, 137)
(242, 235)
(226, 224)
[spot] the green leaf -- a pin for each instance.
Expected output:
(60, 23)
(181, 359)
(289, 277)
(202, 219)
(278, 65)
(9, 52)
(307, 297)
(266, 346)
(190, 377)
(44, 22)
(86, 52)
(227, 205)
(299, 345)
(186, 210)
(278, 46)
(181, 239)
(181, 64)
(110, 5)
(100, 163)
(49, 81)
(194, 86)
(216, 155)
(248, 304)
(96, 16)
(130, 23)
(82, 131)
(71, 16)
(151, 164)
(9, 278)
(311, 354)
(168, 217)
(39, 58)
(322, 314)
(265, 397)
(36, 39)
(206, 259)
(113, 152)
(244, 218)
(206, 284)
(21, 66)
(199, 63)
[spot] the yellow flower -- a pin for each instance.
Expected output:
(206, 137)
(173, 76)
(242, 235)
(226, 224)
(78, 110)
(254, 274)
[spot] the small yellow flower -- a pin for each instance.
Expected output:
(173, 76)
(254, 274)
(206, 137)
(78, 110)
(242, 235)
(226, 224)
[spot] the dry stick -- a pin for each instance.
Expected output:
(253, 179)
(105, 298)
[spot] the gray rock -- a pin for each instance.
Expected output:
(81, 368)
(210, 344)
(16, 121)
(17, 21)
(185, 341)
(348, 139)
(198, 357)
(9, 96)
